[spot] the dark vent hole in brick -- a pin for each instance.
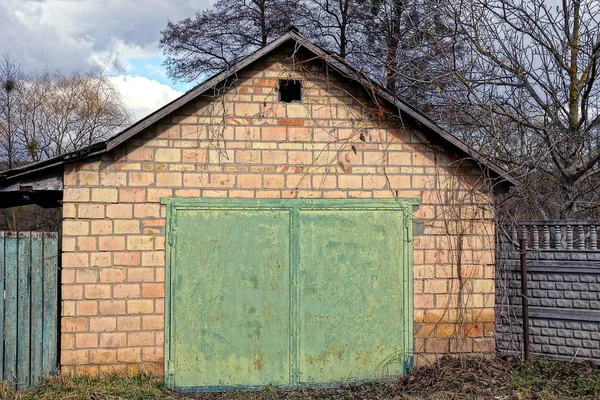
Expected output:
(290, 91)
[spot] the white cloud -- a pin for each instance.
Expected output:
(75, 34)
(118, 36)
(143, 96)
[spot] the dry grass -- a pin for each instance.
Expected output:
(449, 379)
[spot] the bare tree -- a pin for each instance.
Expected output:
(47, 114)
(333, 24)
(527, 94)
(404, 45)
(218, 37)
(10, 77)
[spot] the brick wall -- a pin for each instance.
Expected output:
(564, 302)
(241, 142)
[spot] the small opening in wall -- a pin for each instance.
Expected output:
(290, 91)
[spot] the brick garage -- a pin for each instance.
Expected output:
(232, 137)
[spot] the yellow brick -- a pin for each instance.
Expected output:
(76, 195)
(112, 275)
(141, 179)
(68, 244)
(145, 210)
(104, 195)
(103, 324)
(140, 307)
(85, 275)
(70, 176)
(103, 356)
(140, 339)
(153, 259)
(127, 226)
(75, 228)
(298, 111)
(88, 178)
(436, 286)
(247, 109)
(111, 243)
(483, 286)
(119, 210)
(140, 242)
(168, 179)
(100, 259)
(167, 155)
(112, 178)
(97, 291)
(69, 210)
(102, 227)
(129, 355)
(140, 154)
(126, 291)
(90, 211)
(154, 195)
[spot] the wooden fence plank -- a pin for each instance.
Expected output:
(28, 307)
(2, 294)
(10, 309)
(24, 310)
(37, 306)
(50, 303)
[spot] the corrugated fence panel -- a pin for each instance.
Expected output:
(28, 309)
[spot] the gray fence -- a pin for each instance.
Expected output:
(563, 290)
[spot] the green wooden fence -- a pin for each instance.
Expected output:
(28, 309)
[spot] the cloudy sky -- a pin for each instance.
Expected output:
(119, 36)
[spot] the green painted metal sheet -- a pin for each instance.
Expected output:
(314, 292)
(230, 292)
(350, 288)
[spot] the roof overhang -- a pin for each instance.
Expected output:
(44, 188)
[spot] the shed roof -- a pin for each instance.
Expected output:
(25, 178)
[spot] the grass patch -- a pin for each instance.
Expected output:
(113, 387)
(448, 379)
(542, 379)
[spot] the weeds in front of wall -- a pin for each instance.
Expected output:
(448, 379)
(112, 387)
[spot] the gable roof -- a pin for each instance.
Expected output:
(494, 171)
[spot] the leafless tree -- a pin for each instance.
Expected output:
(10, 77)
(218, 37)
(333, 24)
(526, 93)
(47, 114)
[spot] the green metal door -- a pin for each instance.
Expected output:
(286, 292)
(351, 295)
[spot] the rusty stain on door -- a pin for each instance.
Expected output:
(286, 292)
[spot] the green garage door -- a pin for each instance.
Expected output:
(286, 292)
